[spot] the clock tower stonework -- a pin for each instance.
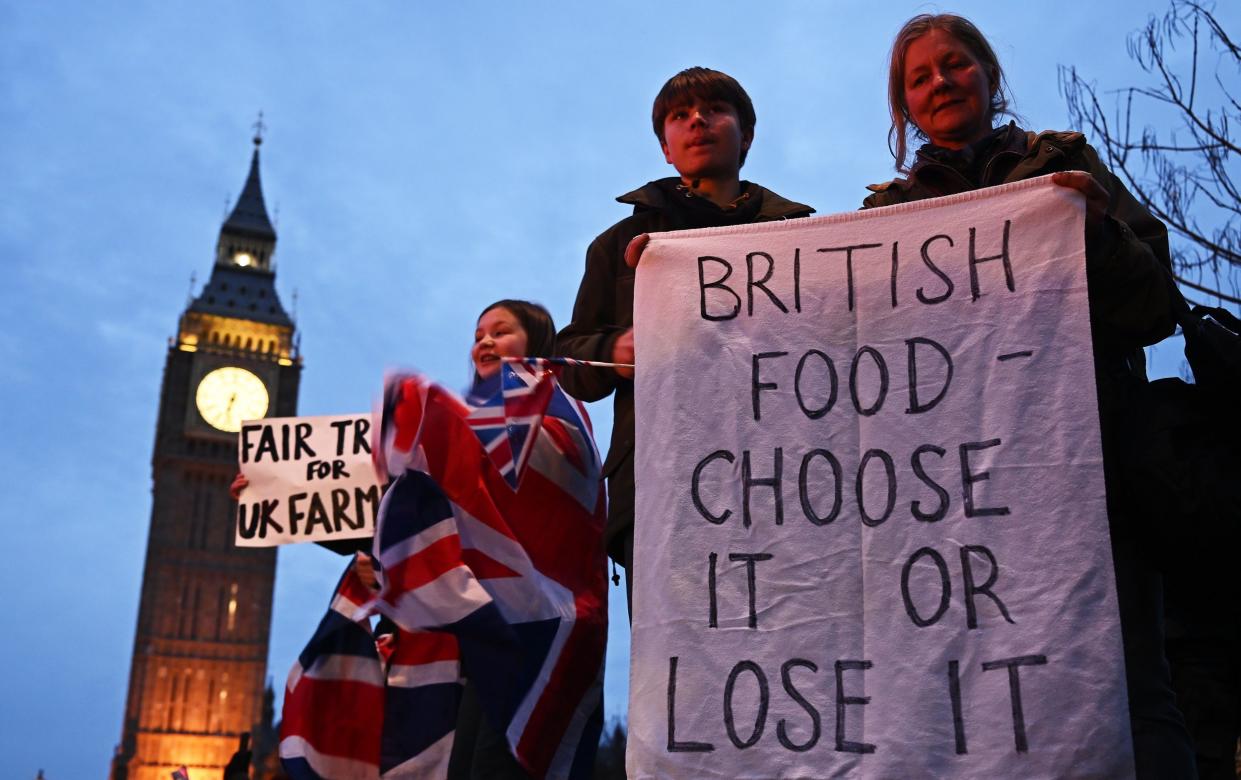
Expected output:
(197, 677)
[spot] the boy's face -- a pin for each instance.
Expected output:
(703, 139)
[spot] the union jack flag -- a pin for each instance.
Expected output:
(334, 697)
(508, 423)
(492, 571)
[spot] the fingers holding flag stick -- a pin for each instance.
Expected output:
(622, 351)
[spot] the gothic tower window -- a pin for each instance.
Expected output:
(232, 608)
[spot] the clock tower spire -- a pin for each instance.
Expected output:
(200, 649)
(247, 238)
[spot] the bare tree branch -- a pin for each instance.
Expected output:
(1174, 142)
(1208, 291)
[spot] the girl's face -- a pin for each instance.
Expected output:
(947, 89)
(499, 334)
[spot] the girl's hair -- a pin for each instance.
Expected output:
(535, 321)
(964, 31)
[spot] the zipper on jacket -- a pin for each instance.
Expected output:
(929, 163)
(986, 170)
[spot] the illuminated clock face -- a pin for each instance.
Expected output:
(229, 395)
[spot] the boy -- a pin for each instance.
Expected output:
(704, 121)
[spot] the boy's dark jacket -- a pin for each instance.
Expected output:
(604, 310)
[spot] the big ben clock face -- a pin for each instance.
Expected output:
(228, 395)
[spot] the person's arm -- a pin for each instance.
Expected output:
(1127, 261)
(365, 567)
(594, 330)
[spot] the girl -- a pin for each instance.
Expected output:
(557, 549)
(509, 328)
(506, 328)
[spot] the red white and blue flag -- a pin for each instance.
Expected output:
(492, 570)
(508, 422)
(334, 698)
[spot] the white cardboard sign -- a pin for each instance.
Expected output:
(311, 480)
(871, 533)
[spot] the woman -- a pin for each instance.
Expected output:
(946, 87)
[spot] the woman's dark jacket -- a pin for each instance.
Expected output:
(1128, 267)
(604, 310)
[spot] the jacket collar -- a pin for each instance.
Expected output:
(656, 195)
(1006, 138)
(1035, 152)
(982, 163)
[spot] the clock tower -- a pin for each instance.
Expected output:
(196, 680)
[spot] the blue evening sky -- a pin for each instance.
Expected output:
(422, 160)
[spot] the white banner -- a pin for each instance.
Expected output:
(311, 480)
(871, 532)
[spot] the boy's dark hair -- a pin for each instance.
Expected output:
(699, 83)
(535, 320)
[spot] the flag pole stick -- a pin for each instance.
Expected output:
(561, 361)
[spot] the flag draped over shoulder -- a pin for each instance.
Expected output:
(489, 540)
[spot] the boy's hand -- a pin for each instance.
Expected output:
(633, 252)
(622, 348)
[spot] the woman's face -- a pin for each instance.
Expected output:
(947, 89)
(499, 334)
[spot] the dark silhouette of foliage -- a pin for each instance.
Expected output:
(1175, 141)
(610, 760)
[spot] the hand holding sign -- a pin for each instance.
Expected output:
(305, 479)
(1096, 197)
(871, 534)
